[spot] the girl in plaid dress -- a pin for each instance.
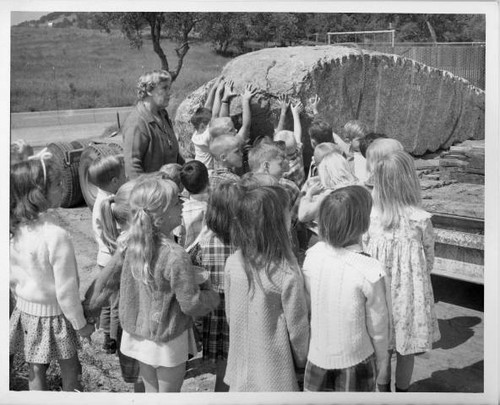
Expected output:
(213, 249)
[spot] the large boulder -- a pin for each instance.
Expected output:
(424, 108)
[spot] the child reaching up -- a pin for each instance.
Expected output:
(201, 137)
(43, 276)
(201, 119)
(401, 238)
(293, 146)
(349, 316)
(159, 294)
(265, 298)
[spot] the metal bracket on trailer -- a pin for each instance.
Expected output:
(72, 156)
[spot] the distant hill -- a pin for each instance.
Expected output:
(62, 19)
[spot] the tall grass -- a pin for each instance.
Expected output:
(71, 68)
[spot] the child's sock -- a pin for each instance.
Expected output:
(109, 344)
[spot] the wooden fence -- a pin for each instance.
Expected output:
(464, 60)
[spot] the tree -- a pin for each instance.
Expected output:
(177, 26)
(226, 29)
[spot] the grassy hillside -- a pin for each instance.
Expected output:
(71, 68)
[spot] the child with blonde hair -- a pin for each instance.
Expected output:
(292, 141)
(228, 154)
(354, 131)
(401, 237)
(334, 172)
(265, 297)
(159, 293)
(349, 316)
(43, 276)
(320, 151)
(107, 173)
(172, 171)
(379, 149)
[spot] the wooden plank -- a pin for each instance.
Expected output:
(457, 222)
(473, 273)
(457, 238)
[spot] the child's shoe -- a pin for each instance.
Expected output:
(109, 345)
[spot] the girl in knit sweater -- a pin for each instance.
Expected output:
(265, 298)
(349, 315)
(159, 294)
(43, 276)
(401, 237)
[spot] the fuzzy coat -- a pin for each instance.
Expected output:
(268, 330)
(163, 309)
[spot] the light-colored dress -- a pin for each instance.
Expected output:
(407, 252)
(159, 354)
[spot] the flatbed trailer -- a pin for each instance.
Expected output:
(459, 247)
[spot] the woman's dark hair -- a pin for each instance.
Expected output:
(344, 216)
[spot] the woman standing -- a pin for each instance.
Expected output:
(149, 140)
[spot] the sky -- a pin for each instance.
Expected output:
(17, 17)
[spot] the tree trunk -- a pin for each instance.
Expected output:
(155, 25)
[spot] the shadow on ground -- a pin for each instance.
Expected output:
(448, 380)
(455, 331)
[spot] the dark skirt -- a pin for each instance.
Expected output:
(216, 333)
(360, 377)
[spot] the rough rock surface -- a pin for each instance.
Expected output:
(425, 108)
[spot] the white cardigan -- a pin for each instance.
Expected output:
(349, 315)
(43, 272)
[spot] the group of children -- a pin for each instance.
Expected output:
(287, 282)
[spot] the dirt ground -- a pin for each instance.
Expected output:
(455, 365)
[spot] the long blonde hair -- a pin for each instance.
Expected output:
(396, 187)
(149, 201)
(334, 172)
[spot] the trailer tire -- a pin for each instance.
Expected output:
(72, 194)
(89, 154)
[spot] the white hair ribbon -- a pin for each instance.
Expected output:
(41, 156)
